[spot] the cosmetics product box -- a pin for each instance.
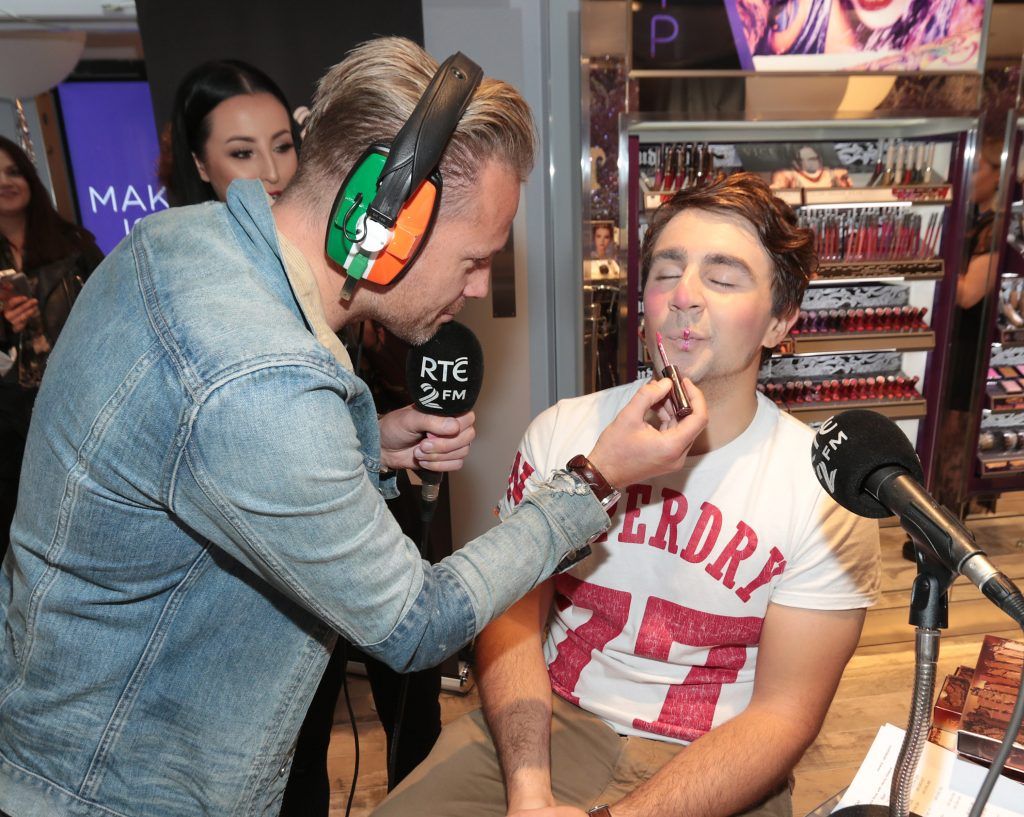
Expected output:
(990, 699)
(949, 705)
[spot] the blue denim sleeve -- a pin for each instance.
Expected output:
(272, 473)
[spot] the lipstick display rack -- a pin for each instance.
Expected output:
(813, 387)
(866, 316)
(873, 326)
(918, 269)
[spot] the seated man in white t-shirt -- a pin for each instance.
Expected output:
(693, 657)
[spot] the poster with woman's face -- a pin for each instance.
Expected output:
(860, 35)
(602, 243)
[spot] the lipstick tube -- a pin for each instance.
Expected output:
(680, 400)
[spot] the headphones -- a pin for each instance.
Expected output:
(388, 203)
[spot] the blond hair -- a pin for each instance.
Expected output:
(367, 97)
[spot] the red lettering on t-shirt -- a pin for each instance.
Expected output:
(773, 567)
(695, 551)
(673, 509)
(637, 495)
(689, 708)
(609, 611)
(732, 554)
(521, 471)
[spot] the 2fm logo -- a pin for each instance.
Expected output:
(689, 706)
(440, 370)
(823, 449)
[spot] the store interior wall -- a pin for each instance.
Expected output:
(533, 359)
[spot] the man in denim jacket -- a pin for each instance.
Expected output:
(201, 514)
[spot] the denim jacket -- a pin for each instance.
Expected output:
(199, 517)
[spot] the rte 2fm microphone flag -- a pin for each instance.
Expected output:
(867, 464)
(444, 376)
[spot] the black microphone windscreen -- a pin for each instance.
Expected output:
(444, 375)
(850, 447)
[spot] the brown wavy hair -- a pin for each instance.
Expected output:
(789, 246)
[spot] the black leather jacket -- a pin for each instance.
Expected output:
(56, 286)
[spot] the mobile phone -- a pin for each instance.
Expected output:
(14, 284)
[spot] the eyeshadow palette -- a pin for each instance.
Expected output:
(1005, 392)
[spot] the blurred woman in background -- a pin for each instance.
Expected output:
(43, 261)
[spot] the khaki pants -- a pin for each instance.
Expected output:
(590, 765)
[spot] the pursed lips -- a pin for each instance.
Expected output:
(679, 340)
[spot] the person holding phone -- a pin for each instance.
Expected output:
(50, 257)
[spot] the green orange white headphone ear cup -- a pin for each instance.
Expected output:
(414, 222)
(345, 229)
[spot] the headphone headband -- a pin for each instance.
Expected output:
(417, 148)
(388, 203)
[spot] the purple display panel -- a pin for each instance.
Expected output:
(819, 36)
(113, 153)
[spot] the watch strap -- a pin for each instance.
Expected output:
(586, 470)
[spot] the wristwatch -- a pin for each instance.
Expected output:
(585, 470)
(601, 811)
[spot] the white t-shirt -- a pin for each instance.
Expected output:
(657, 631)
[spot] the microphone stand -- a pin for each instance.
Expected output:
(929, 613)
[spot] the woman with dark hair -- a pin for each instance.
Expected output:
(43, 261)
(230, 121)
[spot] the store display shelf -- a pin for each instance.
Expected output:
(1006, 408)
(866, 341)
(1002, 465)
(920, 269)
(911, 409)
(840, 196)
(911, 193)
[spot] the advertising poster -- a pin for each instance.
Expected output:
(891, 36)
(113, 153)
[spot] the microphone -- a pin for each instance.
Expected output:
(868, 466)
(446, 372)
